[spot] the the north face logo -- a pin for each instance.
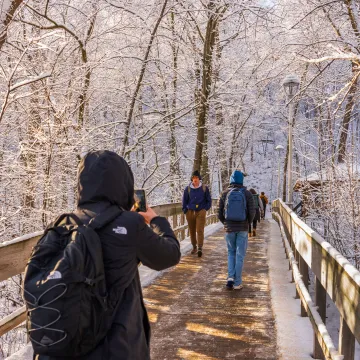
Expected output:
(120, 230)
(54, 275)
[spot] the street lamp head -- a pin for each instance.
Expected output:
(279, 148)
(291, 85)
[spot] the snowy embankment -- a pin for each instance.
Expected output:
(147, 276)
(294, 333)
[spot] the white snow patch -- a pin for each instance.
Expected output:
(294, 333)
(24, 354)
(341, 171)
(30, 80)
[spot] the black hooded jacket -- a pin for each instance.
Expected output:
(104, 179)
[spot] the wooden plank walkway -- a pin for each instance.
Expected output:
(194, 317)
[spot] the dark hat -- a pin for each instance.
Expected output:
(196, 173)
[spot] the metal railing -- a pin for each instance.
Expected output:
(14, 254)
(334, 275)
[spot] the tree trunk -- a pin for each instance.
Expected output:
(200, 161)
(174, 164)
(83, 96)
(347, 117)
(6, 19)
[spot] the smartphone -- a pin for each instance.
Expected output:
(140, 200)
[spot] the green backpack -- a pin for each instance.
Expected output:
(256, 200)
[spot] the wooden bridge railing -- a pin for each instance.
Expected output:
(334, 275)
(15, 253)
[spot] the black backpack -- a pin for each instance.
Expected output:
(68, 308)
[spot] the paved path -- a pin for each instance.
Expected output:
(194, 317)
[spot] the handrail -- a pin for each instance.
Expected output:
(15, 253)
(334, 276)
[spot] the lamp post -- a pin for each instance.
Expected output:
(291, 86)
(278, 149)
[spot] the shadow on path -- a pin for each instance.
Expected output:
(194, 317)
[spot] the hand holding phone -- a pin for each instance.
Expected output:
(141, 207)
(148, 215)
(140, 200)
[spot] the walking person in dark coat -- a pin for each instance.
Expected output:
(106, 179)
(258, 210)
(236, 231)
(264, 201)
(196, 202)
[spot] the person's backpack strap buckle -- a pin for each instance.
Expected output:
(92, 282)
(89, 282)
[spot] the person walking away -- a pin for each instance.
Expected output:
(236, 211)
(258, 210)
(105, 181)
(264, 201)
(196, 202)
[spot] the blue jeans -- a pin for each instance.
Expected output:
(237, 243)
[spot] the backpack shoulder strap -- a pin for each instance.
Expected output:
(188, 188)
(105, 217)
(227, 195)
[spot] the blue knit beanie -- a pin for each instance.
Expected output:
(237, 177)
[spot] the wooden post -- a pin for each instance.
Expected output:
(175, 223)
(304, 271)
(292, 273)
(293, 248)
(320, 302)
(182, 222)
(346, 341)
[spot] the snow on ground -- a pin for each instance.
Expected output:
(294, 333)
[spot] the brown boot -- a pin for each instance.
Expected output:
(254, 232)
(194, 250)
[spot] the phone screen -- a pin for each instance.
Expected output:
(140, 200)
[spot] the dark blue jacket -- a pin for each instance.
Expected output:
(197, 199)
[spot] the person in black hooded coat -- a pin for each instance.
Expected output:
(105, 179)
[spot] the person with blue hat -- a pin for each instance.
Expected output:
(236, 211)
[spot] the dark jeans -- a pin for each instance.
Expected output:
(254, 223)
(256, 219)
